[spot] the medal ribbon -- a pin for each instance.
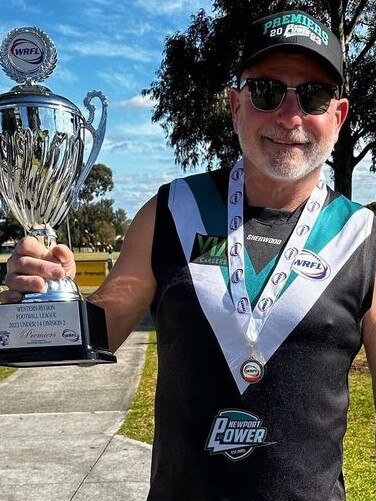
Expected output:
(252, 321)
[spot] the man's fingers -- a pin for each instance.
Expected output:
(24, 265)
(31, 264)
(24, 283)
(65, 256)
(30, 246)
(10, 297)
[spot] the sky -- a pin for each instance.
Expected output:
(116, 48)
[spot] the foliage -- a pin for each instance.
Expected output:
(98, 182)
(95, 224)
(10, 228)
(192, 82)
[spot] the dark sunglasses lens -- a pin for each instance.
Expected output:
(266, 95)
(315, 98)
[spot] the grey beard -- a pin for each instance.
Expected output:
(315, 155)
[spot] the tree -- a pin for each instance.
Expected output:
(192, 82)
(10, 228)
(98, 182)
(95, 220)
(95, 223)
(121, 222)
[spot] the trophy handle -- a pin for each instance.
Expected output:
(97, 135)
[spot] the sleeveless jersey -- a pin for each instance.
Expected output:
(217, 437)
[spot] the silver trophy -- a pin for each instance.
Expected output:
(42, 169)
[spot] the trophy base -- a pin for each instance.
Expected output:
(53, 334)
(25, 357)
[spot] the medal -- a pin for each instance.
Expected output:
(252, 371)
(252, 320)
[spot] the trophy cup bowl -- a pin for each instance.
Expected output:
(42, 168)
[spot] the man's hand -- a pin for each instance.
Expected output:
(31, 264)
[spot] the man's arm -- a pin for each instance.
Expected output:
(127, 291)
(369, 340)
(129, 288)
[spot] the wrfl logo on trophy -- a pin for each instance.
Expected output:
(42, 169)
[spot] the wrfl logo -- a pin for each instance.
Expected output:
(235, 434)
(309, 265)
(70, 335)
(27, 51)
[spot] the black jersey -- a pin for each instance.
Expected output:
(218, 438)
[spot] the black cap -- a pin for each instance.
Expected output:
(293, 31)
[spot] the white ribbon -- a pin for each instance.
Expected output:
(252, 321)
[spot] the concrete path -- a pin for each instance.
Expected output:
(58, 429)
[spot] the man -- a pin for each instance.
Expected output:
(260, 279)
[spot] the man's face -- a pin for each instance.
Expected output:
(286, 143)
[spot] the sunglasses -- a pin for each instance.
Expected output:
(268, 94)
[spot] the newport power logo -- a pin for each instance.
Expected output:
(236, 434)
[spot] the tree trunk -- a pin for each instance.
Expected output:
(343, 161)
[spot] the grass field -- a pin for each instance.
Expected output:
(5, 372)
(359, 460)
(140, 418)
(359, 456)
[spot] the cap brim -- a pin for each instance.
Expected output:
(292, 48)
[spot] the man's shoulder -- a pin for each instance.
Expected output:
(216, 175)
(200, 184)
(346, 204)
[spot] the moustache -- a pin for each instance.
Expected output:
(293, 136)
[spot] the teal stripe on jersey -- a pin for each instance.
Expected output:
(330, 222)
(212, 210)
(213, 214)
(256, 281)
(333, 218)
